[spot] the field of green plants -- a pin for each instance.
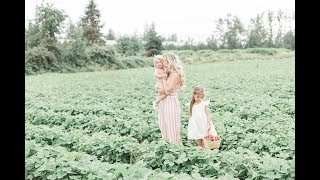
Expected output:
(101, 125)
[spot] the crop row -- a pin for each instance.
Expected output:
(243, 163)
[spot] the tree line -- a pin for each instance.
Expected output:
(48, 48)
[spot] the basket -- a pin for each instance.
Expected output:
(211, 142)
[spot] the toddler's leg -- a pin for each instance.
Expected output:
(159, 98)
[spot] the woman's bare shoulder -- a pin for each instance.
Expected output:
(175, 75)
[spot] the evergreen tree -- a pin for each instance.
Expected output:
(91, 25)
(153, 44)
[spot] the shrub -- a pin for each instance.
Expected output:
(40, 58)
(269, 51)
(228, 51)
(128, 46)
(101, 55)
(135, 62)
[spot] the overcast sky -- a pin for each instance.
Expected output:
(194, 18)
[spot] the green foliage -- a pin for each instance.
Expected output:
(289, 40)
(128, 46)
(173, 37)
(116, 132)
(74, 59)
(101, 55)
(235, 30)
(152, 52)
(39, 59)
(257, 35)
(270, 35)
(42, 51)
(136, 62)
(50, 20)
(33, 36)
(269, 51)
(153, 44)
(90, 23)
(228, 51)
(54, 162)
(230, 32)
(212, 43)
(74, 49)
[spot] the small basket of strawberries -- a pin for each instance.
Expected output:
(211, 141)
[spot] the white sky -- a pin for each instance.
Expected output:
(194, 18)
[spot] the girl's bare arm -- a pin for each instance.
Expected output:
(208, 116)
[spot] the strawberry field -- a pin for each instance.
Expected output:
(101, 125)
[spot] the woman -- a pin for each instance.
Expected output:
(169, 108)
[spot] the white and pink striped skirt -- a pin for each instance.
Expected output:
(169, 118)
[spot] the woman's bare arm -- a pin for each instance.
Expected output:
(168, 88)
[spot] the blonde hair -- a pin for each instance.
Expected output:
(155, 59)
(175, 64)
(197, 90)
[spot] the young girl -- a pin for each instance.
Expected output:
(159, 73)
(200, 124)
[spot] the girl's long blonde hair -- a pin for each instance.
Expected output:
(175, 64)
(155, 59)
(197, 90)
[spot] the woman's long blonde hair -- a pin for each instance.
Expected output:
(175, 64)
(197, 90)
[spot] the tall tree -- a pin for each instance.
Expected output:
(257, 33)
(173, 37)
(91, 24)
(50, 20)
(153, 44)
(42, 50)
(270, 35)
(220, 30)
(212, 43)
(76, 45)
(278, 40)
(231, 32)
(289, 40)
(33, 36)
(147, 29)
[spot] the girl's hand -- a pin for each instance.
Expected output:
(209, 126)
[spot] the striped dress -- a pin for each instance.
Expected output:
(169, 117)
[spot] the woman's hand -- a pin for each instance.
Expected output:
(159, 90)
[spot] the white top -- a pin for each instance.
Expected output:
(198, 123)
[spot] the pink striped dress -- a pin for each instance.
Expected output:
(169, 117)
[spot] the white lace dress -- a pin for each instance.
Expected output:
(198, 124)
